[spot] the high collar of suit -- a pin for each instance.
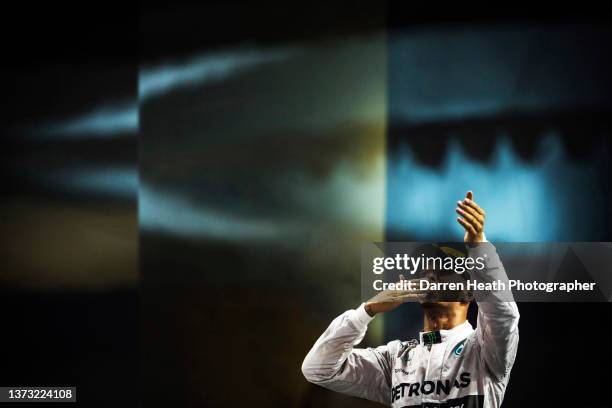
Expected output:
(441, 336)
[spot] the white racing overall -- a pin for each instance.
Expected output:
(461, 367)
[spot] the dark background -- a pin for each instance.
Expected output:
(222, 319)
(248, 308)
(68, 280)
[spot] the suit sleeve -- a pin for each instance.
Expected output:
(497, 328)
(333, 363)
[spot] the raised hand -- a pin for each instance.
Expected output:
(472, 219)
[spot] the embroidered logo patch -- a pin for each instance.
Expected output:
(458, 349)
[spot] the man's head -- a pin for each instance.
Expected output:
(442, 265)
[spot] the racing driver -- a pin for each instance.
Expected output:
(450, 365)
